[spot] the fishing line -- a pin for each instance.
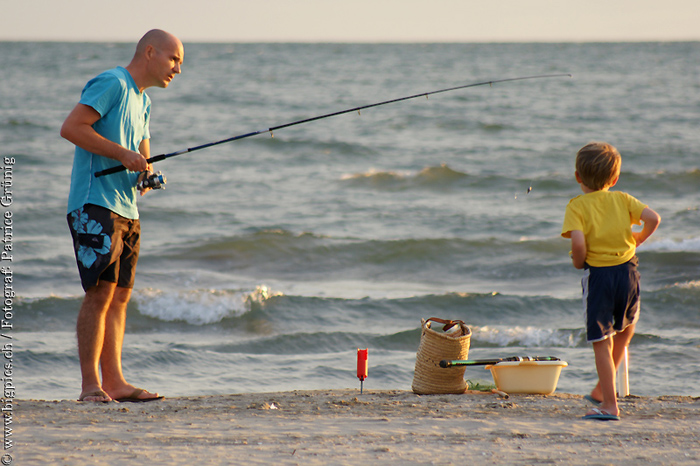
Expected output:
(528, 190)
(271, 130)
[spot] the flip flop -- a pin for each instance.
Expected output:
(134, 397)
(601, 415)
(101, 393)
(592, 400)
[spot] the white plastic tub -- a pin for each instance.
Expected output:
(529, 377)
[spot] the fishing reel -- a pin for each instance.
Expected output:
(150, 180)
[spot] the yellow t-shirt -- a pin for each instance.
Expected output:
(606, 219)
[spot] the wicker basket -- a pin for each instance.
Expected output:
(429, 377)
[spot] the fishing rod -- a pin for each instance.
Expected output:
(445, 363)
(270, 130)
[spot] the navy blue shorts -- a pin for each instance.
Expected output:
(106, 246)
(610, 299)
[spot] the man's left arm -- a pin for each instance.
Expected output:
(145, 150)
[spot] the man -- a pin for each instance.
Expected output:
(110, 127)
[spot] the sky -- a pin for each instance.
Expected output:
(353, 20)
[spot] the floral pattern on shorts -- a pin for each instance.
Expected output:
(82, 225)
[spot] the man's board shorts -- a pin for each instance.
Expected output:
(610, 299)
(106, 246)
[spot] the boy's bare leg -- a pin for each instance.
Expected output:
(621, 340)
(605, 366)
(91, 334)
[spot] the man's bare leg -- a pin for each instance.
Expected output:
(114, 382)
(91, 334)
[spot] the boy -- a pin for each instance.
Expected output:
(603, 243)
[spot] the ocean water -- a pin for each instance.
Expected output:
(267, 262)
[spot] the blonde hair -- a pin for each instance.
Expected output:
(598, 164)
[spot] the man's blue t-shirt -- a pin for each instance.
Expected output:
(125, 115)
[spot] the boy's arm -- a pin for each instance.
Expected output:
(578, 248)
(651, 222)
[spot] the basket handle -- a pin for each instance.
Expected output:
(448, 323)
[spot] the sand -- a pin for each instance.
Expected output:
(346, 427)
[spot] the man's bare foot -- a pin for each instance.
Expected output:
(96, 396)
(134, 395)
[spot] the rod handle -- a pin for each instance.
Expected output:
(109, 171)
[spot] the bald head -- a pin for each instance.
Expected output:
(156, 38)
(157, 59)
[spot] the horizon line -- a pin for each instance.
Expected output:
(378, 42)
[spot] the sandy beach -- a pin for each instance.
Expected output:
(346, 427)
